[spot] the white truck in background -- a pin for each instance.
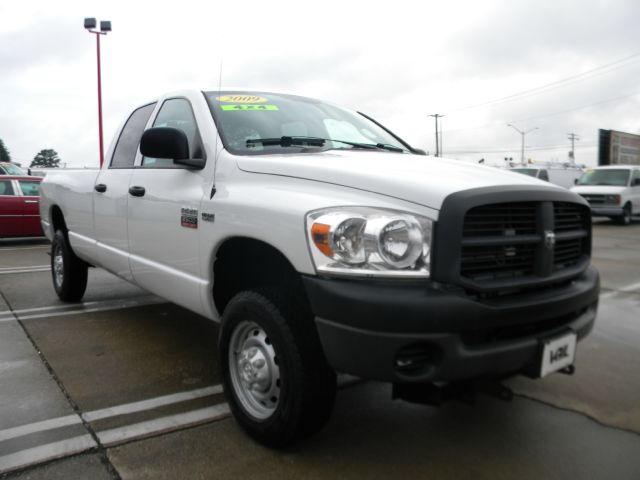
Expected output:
(324, 243)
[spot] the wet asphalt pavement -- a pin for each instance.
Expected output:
(126, 385)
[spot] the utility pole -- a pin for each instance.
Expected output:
(437, 116)
(522, 162)
(572, 154)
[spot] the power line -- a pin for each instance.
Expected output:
(530, 148)
(537, 117)
(556, 84)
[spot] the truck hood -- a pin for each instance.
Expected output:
(598, 190)
(415, 178)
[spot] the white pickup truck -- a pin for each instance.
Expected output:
(324, 243)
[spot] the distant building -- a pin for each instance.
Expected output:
(618, 148)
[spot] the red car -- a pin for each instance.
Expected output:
(20, 206)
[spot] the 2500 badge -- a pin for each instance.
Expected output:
(189, 217)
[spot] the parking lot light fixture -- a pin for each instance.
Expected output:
(90, 25)
(522, 134)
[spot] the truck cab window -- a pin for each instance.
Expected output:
(124, 155)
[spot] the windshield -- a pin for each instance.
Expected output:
(291, 124)
(10, 169)
(615, 177)
(532, 172)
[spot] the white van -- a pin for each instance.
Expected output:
(564, 177)
(612, 191)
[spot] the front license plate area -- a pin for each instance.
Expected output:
(558, 353)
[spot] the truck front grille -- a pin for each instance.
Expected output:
(522, 242)
(594, 199)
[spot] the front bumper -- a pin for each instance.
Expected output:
(607, 211)
(368, 329)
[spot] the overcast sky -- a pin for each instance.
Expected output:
(396, 61)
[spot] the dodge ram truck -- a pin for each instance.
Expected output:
(323, 243)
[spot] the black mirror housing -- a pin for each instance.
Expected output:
(164, 142)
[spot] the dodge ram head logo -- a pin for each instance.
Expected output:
(549, 239)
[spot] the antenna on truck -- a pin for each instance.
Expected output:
(215, 164)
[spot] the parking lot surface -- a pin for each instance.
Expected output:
(126, 385)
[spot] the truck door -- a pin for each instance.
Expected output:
(111, 194)
(163, 215)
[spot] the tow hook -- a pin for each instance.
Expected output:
(437, 394)
(570, 370)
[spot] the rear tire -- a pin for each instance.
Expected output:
(276, 379)
(68, 272)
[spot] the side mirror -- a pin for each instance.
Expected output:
(166, 142)
(636, 182)
(575, 181)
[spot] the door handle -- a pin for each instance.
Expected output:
(137, 191)
(31, 201)
(101, 187)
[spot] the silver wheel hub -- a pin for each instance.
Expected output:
(58, 266)
(254, 370)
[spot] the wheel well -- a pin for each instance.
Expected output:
(57, 219)
(246, 264)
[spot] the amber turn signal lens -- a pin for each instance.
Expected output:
(320, 236)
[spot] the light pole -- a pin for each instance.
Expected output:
(105, 27)
(522, 134)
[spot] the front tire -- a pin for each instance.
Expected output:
(68, 272)
(277, 382)
(627, 215)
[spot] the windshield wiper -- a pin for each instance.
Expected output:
(371, 146)
(317, 142)
(288, 141)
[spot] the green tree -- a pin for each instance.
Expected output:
(47, 158)
(5, 156)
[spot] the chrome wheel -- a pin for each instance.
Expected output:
(254, 371)
(58, 265)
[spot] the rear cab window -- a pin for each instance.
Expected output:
(124, 155)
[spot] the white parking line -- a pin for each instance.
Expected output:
(115, 436)
(151, 403)
(74, 445)
(17, 270)
(75, 309)
(38, 247)
(625, 289)
(38, 427)
(43, 453)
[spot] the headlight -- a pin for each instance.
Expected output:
(612, 199)
(361, 241)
